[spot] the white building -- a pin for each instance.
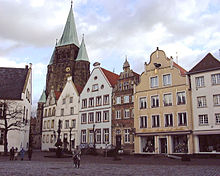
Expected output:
(65, 109)
(16, 93)
(205, 85)
(95, 107)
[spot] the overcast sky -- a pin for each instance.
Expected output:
(113, 29)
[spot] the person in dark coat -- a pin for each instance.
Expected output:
(12, 153)
(29, 154)
(22, 153)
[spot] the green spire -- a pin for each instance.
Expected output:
(43, 97)
(82, 54)
(52, 58)
(69, 34)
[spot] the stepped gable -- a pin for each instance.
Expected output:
(112, 77)
(208, 63)
(12, 81)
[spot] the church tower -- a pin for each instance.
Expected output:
(68, 59)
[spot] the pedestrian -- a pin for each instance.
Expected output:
(29, 154)
(16, 153)
(22, 153)
(77, 157)
(12, 153)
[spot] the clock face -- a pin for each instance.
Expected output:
(67, 69)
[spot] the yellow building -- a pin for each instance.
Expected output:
(162, 103)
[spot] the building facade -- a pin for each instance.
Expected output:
(15, 106)
(205, 86)
(123, 109)
(162, 103)
(95, 108)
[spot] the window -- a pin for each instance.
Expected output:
(61, 124)
(168, 120)
(53, 111)
(83, 118)
(167, 99)
(49, 112)
(143, 122)
(132, 98)
(98, 116)
(48, 124)
(44, 138)
(127, 135)
(1, 110)
(66, 124)
(201, 102)
(71, 110)
(64, 100)
(83, 136)
(203, 119)
(126, 99)
(106, 135)
(181, 98)
(216, 99)
(155, 121)
(143, 103)
(154, 82)
(91, 117)
(132, 113)
(45, 124)
(217, 119)
(91, 136)
(91, 102)
(47, 138)
(106, 99)
(1, 137)
(62, 112)
(98, 101)
(84, 103)
(45, 112)
(118, 114)
(95, 87)
(71, 99)
(106, 116)
(98, 136)
(52, 123)
(166, 80)
(126, 85)
(182, 119)
(215, 79)
(118, 100)
(200, 82)
(119, 86)
(73, 123)
(126, 113)
(155, 101)
(51, 138)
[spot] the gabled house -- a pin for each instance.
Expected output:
(15, 101)
(96, 108)
(162, 103)
(205, 87)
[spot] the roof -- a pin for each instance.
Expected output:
(112, 77)
(182, 70)
(82, 54)
(43, 97)
(52, 57)
(208, 63)
(126, 64)
(12, 81)
(79, 88)
(57, 94)
(69, 35)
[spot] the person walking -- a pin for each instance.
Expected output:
(29, 154)
(16, 153)
(77, 157)
(22, 153)
(12, 153)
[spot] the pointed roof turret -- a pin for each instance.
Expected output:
(126, 64)
(69, 35)
(43, 97)
(82, 55)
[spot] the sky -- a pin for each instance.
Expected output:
(186, 30)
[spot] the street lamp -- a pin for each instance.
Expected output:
(70, 138)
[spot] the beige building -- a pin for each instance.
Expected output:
(162, 103)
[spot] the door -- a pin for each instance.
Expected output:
(163, 145)
(118, 141)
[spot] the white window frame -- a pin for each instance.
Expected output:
(71, 110)
(118, 100)
(106, 135)
(157, 100)
(182, 119)
(201, 102)
(215, 79)
(91, 117)
(83, 136)
(98, 136)
(106, 116)
(105, 99)
(169, 115)
(83, 118)
(127, 136)
(155, 118)
(118, 114)
(67, 124)
(142, 102)
(84, 103)
(216, 100)
(217, 118)
(200, 81)
(98, 117)
(181, 97)
(126, 113)
(154, 82)
(73, 123)
(98, 100)
(143, 123)
(95, 87)
(203, 120)
(126, 99)
(165, 79)
(170, 99)
(91, 102)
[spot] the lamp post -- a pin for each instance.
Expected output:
(59, 142)
(71, 138)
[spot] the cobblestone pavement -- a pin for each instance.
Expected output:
(98, 165)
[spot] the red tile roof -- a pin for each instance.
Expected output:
(79, 88)
(112, 77)
(57, 94)
(182, 70)
(208, 63)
